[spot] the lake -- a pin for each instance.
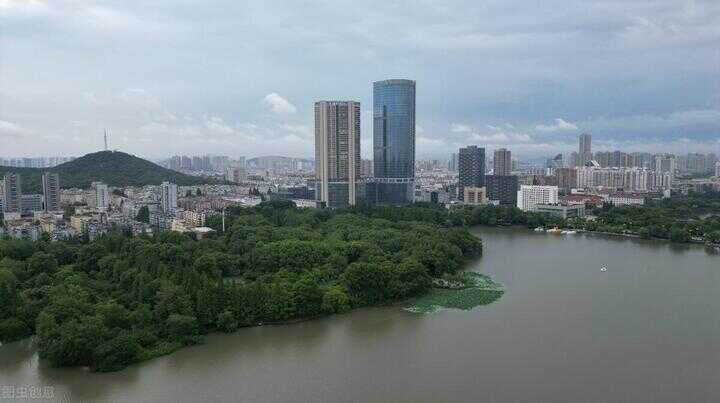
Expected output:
(646, 330)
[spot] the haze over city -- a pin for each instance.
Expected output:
(174, 77)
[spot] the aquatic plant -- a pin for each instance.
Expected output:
(480, 290)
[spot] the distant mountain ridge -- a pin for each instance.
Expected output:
(112, 167)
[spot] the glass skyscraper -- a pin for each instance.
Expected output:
(394, 140)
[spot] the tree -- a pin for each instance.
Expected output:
(117, 353)
(678, 234)
(335, 300)
(120, 299)
(226, 322)
(181, 327)
(143, 214)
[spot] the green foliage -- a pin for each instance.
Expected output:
(112, 167)
(678, 219)
(118, 300)
(478, 289)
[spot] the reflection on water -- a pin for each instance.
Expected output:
(647, 330)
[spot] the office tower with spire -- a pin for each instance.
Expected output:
(337, 152)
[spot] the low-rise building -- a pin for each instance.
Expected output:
(626, 199)
(474, 196)
(562, 210)
(194, 218)
(529, 196)
(31, 203)
(584, 199)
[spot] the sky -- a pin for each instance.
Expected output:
(239, 78)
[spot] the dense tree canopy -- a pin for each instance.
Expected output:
(119, 300)
(678, 219)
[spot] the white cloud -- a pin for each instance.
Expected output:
(23, 6)
(460, 128)
(278, 105)
(560, 125)
(12, 130)
(502, 138)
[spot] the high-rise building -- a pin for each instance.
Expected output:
(366, 168)
(102, 196)
(236, 174)
(566, 178)
(471, 170)
(453, 163)
(12, 205)
(665, 166)
(168, 197)
(502, 189)
(556, 162)
(584, 149)
(51, 191)
(337, 152)
(573, 160)
(502, 162)
(530, 196)
(603, 158)
(31, 203)
(394, 140)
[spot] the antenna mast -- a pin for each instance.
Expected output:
(106, 148)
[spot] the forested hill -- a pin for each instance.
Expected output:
(112, 167)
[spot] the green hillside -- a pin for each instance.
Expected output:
(112, 167)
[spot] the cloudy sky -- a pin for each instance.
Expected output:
(240, 77)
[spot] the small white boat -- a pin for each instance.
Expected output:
(571, 232)
(539, 229)
(603, 269)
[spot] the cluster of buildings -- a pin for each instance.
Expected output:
(341, 178)
(34, 162)
(338, 177)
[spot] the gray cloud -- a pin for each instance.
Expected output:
(241, 77)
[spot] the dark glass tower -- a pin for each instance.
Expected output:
(394, 140)
(471, 171)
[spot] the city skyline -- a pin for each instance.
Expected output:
(620, 62)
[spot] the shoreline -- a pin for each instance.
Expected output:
(615, 234)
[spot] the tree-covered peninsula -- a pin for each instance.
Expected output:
(123, 299)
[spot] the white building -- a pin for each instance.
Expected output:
(529, 196)
(630, 179)
(168, 197)
(102, 196)
(626, 199)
